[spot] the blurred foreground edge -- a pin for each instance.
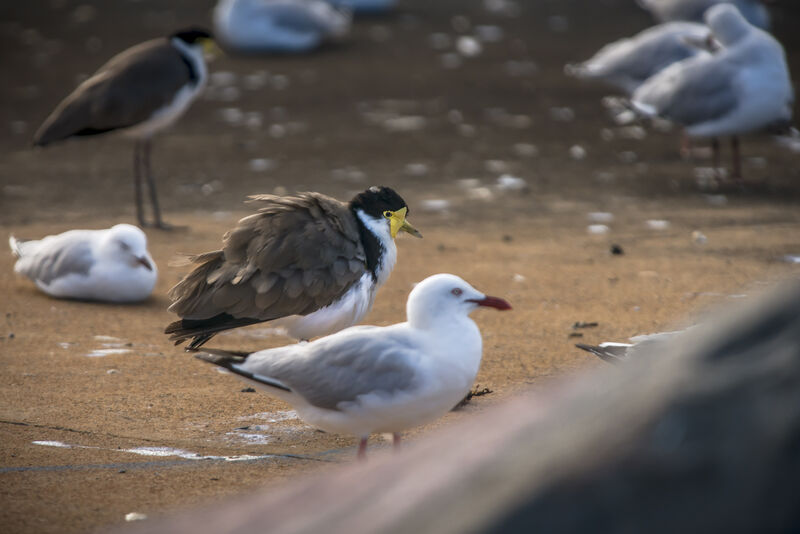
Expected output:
(702, 437)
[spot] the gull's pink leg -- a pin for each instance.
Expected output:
(362, 449)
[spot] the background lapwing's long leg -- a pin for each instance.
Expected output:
(715, 155)
(151, 184)
(737, 158)
(685, 148)
(137, 182)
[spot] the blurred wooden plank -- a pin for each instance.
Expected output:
(701, 437)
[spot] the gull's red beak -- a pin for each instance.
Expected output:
(144, 262)
(492, 302)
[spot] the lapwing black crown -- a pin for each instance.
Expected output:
(192, 35)
(376, 200)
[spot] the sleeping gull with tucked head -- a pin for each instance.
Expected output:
(744, 87)
(288, 26)
(110, 265)
(369, 379)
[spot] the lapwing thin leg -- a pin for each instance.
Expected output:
(362, 449)
(685, 148)
(137, 182)
(737, 159)
(151, 184)
(715, 156)
(396, 440)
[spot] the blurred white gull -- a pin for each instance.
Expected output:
(365, 6)
(743, 87)
(628, 62)
(110, 265)
(285, 26)
(692, 10)
(368, 379)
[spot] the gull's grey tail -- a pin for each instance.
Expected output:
(611, 353)
(230, 360)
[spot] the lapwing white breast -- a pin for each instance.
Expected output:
(110, 265)
(743, 87)
(288, 26)
(308, 262)
(138, 92)
(370, 379)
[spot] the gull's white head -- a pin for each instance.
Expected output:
(727, 24)
(444, 297)
(127, 244)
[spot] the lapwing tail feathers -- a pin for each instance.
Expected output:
(204, 329)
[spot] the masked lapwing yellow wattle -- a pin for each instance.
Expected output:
(139, 92)
(309, 262)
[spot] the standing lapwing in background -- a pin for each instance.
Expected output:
(309, 260)
(139, 92)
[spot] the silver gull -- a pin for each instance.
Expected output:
(692, 10)
(369, 379)
(743, 87)
(110, 265)
(628, 62)
(278, 25)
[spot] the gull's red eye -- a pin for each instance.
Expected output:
(456, 291)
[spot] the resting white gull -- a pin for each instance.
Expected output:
(287, 26)
(743, 87)
(369, 379)
(110, 265)
(692, 10)
(627, 63)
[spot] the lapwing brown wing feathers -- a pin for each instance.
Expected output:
(294, 256)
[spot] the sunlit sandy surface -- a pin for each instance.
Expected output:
(516, 175)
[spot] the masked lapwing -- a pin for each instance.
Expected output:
(308, 262)
(139, 92)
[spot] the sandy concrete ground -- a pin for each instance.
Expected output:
(125, 416)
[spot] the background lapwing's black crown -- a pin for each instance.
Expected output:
(192, 34)
(377, 199)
